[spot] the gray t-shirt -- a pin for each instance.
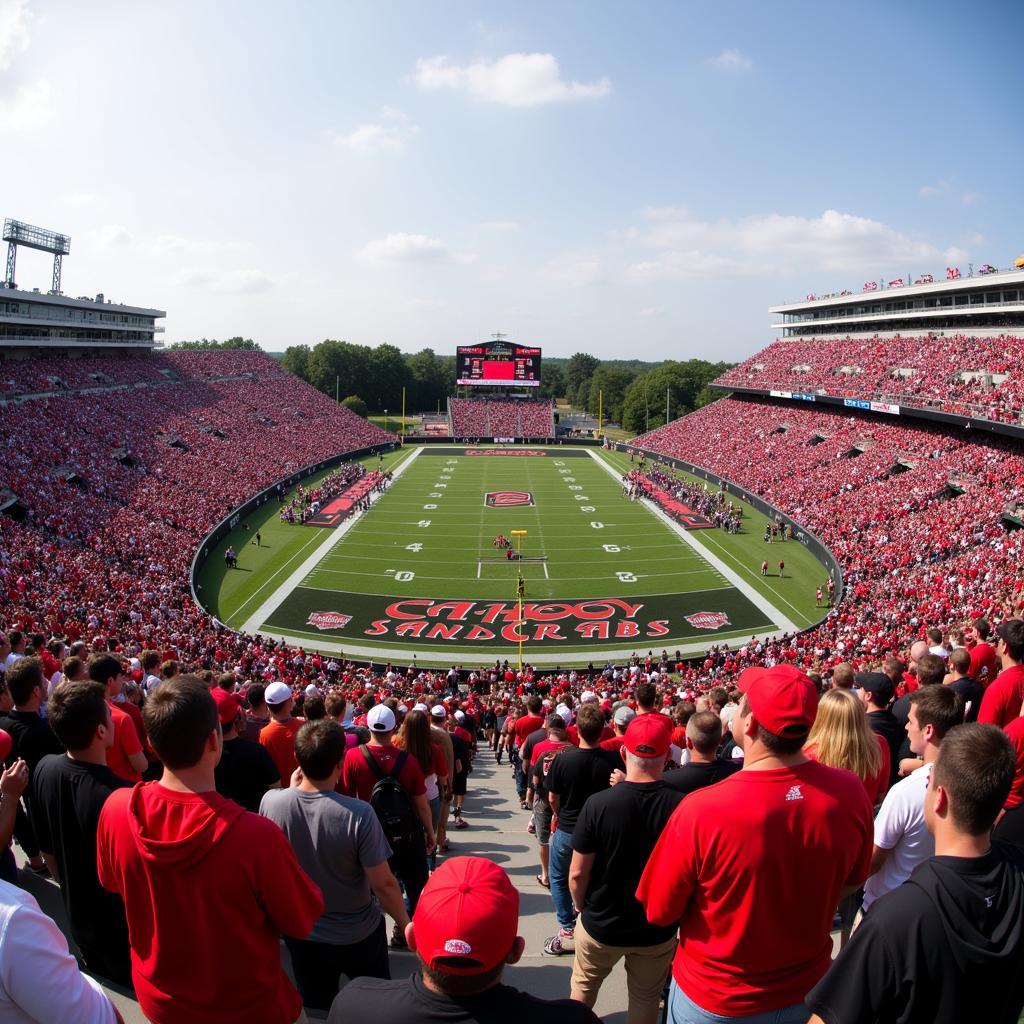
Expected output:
(335, 839)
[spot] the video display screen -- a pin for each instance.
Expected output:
(498, 362)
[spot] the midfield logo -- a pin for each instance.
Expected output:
(328, 620)
(507, 499)
(708, 620)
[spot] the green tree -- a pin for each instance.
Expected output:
(237, 343)
(552, 384)
(577, 377)
(340, 367)
(429, 381)
(613, 382)
(683, 385)
(296, 360)
(357, 405)
(388, 375)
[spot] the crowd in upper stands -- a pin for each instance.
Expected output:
(493, 417)
(946, 373)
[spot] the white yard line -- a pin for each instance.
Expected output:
(276, 599)
(756, 599)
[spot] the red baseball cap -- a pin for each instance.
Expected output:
(467, 917)
(782, 699)
(648, 736)
(228, 705)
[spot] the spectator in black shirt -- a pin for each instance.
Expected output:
(245, 770)
(615, 834)
(464, 932)
(574, 775)
(960, 680)
(703, 736)
(946, 946)
(68, 793)
(876, 692)
(32, 740)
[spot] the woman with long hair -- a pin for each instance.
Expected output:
(841, 737)
(415, 738)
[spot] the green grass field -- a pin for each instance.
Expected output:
(418, 575)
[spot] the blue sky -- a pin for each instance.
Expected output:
(637, 179)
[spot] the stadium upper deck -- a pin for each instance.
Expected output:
(989, 303)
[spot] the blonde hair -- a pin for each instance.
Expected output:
(843, 737)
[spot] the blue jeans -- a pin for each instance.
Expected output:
(682, 1010)
(558, 875)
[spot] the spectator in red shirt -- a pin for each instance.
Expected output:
(199, 874)
(126, 757)
(524, 726)
(624, 714)
(278, 735)
(984, 662)
(1003, 698)
(753, 868)
(536, 793)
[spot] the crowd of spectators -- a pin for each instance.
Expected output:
(921, 371)
(493, 417)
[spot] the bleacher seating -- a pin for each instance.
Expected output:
(948, 372)
(492, 417)
(913, 514)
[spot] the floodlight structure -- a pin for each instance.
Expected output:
(17, 233)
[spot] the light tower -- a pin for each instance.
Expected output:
(17, 233)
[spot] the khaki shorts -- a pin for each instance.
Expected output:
(647, 969)
(542, 820)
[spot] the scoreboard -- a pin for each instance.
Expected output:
(497, 363)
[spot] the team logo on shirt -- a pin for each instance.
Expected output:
(794, 793)
(457, 947)
(328, 620)
(506, 499)
(708, 620)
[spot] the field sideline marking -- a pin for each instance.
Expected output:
(757, 600)
(276, 599)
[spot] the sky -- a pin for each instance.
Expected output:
(633, 179)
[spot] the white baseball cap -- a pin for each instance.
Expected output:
(439, 711)
(460, 716)
(564, 713)
(587, 695)
(420, 707)
(277, 693)
(312, 690)
(381, 719)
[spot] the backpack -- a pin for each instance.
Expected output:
(391, 803)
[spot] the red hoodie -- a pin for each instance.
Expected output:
(203, 879)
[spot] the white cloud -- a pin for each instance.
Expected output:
(929, 191)
(401, 247)
(499, 225)
(651, 311)
(111, 236)
(240, 281)
(955, 255)
(663, 213)
(515, 80)
(14, 30)
(29, 107)
(389, 133)
(769, 244)
(969, 198)
(733, 62)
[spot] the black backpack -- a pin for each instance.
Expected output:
(391, 803)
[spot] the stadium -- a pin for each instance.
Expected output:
(210, 511)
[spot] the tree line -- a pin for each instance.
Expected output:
(628, 392)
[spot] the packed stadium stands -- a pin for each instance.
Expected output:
(486, 417)
(962, 374)
(914, 514)
(119, 487)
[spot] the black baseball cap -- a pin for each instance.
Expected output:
(875, 682)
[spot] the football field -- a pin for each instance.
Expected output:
(419, 574)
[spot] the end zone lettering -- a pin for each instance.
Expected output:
(602, 619)
(328, 620)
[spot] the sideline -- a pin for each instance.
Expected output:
(758, 600)
(276, 599)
